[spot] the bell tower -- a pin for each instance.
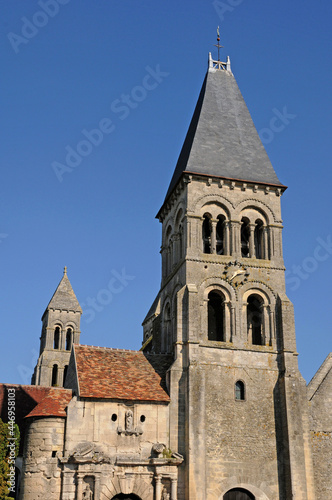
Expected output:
(238, 401)
(60, 330)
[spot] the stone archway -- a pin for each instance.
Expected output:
(123, 496)
(238, 494)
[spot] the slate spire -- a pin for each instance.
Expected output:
(222, 140)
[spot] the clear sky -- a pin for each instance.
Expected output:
(70, 67)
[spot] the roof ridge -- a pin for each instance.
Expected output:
(107, 348)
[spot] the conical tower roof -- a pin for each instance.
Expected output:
(64, 298)
(222, 140)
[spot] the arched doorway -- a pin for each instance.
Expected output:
(238, 494)
(123, 496)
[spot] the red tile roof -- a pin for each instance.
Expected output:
(35, 401)
(117, 374)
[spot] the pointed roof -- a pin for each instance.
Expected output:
(64, 297)
(222, 140)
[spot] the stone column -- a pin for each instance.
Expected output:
(62, 340)
(174, 488)
(60, 377)
(227, 321)
(79, 485)
(213, 236)
(266, 329)
(157, 479)
(252, 252)
(97, 487)
(235, 239)
(266, 242)
(226, 238)
(233, 323)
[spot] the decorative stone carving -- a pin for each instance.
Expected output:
(129, 430)
(87, 452)
(87, 493)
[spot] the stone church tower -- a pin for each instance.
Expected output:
(213, 406)
(60, 330)
(238, 411)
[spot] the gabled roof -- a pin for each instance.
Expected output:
(222, 140)
(64, 298)
(118, 374)
(319, 377)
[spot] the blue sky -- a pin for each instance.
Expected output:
(67, 68)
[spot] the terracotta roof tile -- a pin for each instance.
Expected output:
(118, 374)
(33, 400)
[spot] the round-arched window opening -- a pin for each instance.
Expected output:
(114, 417)
(216, 317)
(255, 319)
(239, 391)
(245, 236)
(206, 233)
(142, 419)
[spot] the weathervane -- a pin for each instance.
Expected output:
(218, 44)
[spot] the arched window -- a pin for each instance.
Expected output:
(220, 231)
(56, 344)
(69, 339)
(206, 233)
(54, 375)
(216, 317)
(65, 370)
(245, 237)
(255, 319)
(239, 391)
(258, 239)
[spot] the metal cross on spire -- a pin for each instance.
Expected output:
(218, 44)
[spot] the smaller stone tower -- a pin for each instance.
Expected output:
(61, 328)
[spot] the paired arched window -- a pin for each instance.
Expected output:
(54, 375)
(56, 343)
(216, 316)
(255, 319)
(69, 339)
(239, 391)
